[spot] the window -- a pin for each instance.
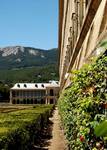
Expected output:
(38, 101)
(17, 101)
(35, 101)
(43, 93)
(51, 101)
(13, 93)
(24, 94)
(42, 85)
(31, 101)
(25, 85)
(13, 101)
(27, 93)
(42, 101)
(51, 92)
(28, 101)
(17, 93)
(18, 85)
(36, 85)
(38, 94)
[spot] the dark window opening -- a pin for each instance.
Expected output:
(38, 101)
(28, 101)
(25, 85)
(42, 101)
(36, 85)
(17, 101)
(51, 92)
(13, 93)
(31, 101)
(35, 101)
(24, 101)
(51, 101)
(18, 85)
(13, 101)
(21, 101)
(42, 85)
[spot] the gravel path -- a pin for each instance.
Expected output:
(58, 141)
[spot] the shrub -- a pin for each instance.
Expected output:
(18, 129)
(81, 106)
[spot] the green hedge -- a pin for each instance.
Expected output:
(81, 106)
(19, 129)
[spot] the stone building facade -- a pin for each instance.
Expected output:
(82, 26)
(34, 93)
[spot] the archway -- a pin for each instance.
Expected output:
(51, 92)
(51, 101)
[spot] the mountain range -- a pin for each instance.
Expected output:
(14, 57)
(27, 64)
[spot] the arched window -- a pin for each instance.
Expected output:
(31, 101)
(51, 101)
(17, 101)
(42, 101)
(24, 101)
(51, 92)
(28, 101)
(35, 101)
(13, 101)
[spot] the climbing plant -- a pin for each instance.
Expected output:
(83, 106)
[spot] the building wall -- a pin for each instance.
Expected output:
(83, 23)
(34, 96)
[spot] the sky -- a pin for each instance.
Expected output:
(31, 23)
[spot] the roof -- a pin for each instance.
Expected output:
(34, 86)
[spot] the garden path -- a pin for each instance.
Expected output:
(57, 142)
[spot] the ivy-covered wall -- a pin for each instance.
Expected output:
(83, 106)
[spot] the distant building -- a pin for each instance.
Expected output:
(34, 93)
(82, 26)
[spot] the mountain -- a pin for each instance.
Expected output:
(27, 64)
(13, 57)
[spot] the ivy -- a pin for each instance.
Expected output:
(82, 106)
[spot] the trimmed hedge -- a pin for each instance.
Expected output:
(82, 106)
(18, 129)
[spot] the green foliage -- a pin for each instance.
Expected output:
(34, 74)
(101, 129)
(18, 128)
(4, 92)
(104, 44)
(81, 105)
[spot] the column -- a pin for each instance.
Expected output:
(84, 7)
(68, 54)
(54, 100)
(74, 26)
(46, 101)
(81, 12)
(10, 96)
(78, 17)
(46, 95)
(71, 41)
